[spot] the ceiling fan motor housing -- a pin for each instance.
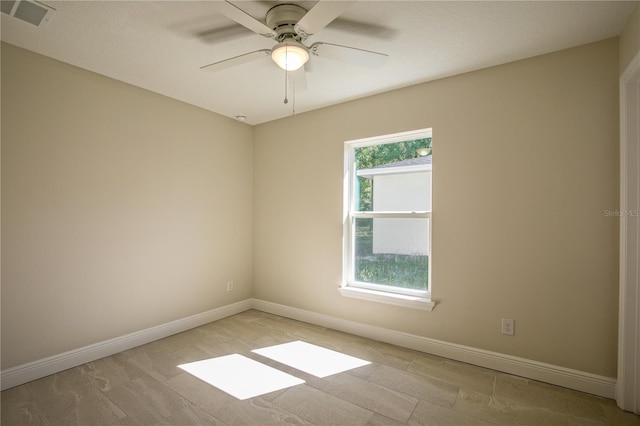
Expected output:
(282, 19)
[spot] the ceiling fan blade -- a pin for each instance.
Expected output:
(218, 35)
(367, 29)
(349, 54)
(237, 60)
(233, 12)
(298, 80)
(320, 16)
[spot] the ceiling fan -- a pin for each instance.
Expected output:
(289, 25)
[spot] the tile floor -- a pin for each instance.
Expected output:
(144, 386)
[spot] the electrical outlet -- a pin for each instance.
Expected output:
(230, 286)
(508, 326)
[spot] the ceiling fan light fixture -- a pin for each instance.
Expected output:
(290, 55)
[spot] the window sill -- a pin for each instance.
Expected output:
(413, 302)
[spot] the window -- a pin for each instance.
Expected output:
(387, 220)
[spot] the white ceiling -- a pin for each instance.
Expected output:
(161, 45)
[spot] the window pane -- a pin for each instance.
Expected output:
(392, 251)
(393, 177)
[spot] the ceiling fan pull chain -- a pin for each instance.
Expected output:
(286, 74)
(286, 101)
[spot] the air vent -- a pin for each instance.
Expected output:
(7, 6)
(33, 12)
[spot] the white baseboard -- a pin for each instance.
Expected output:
(572, 379)
(43, 367)
(548, 373)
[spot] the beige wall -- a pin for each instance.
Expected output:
(121, 209)
(630, 40)
(525, 164)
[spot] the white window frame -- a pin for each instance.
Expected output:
(411, 298)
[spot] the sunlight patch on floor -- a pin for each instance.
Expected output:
(240, 376)
(312, 359)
